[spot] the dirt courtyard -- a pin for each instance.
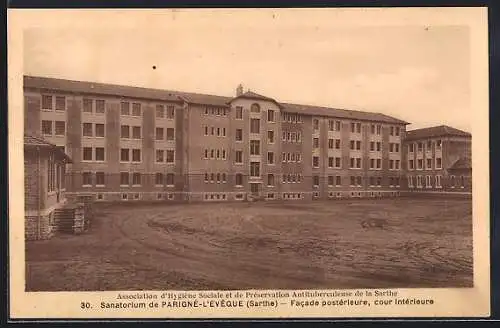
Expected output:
(388, 243)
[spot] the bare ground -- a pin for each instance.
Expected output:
(339, 244)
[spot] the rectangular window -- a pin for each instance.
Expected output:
(358, 145)
(254, 125)
(136, 132)
(170, 112)
(136, 179)
(420, 164)
(330, 180)
(170, 179)
(159, 134)
(438, 144)
(46, 102)
(124, 155)
(379, 163)
(99, 154)
(86, 179)
(315, 142)
(170, 156)
(429, 164)
(270, 158)
(100, 106)
(160, 111)
(99, 130)
(87, 105)
(315, 124)
(239, 113)
(330, 143)
(254, 147)
(419, 181)
(254, 169)
(315, 180)
(438, 181)
(238, 156)
(159, 179)
(124, 178)
(270, 115)
(99, 179)
(411, 164)
(331, 125)
(239, 135)
(136, 109)
(87, 130)
(315, 161)
(270, 179)
(136, 155)
(411, 148)
(239, 179)
(439, 164)
(337, 162)
(87, 153)
(124, 108)
(270, 136)
(47, 127)
(170, 134)
(420, 146)
(338, 180)
(160, 156)
(125, 131)
(331, 162)
(410, 181)
(60, 103)
(60, 128)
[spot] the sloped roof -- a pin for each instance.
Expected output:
(341, 113)
(31, 141)
(463, 163)
(98, 88)
(196, 98)
(434, 132)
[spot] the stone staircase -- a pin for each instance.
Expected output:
(75, 217)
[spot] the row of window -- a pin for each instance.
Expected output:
(291, 117)
(221, 154)
(291, 136)
(215, 178)
(291, 157)
(96, 106)
(165, 156)
(125, 109)
(53, 102)
(426, 181)
(215, 111)
(437, 144)
(165, 111)
(219, 132)
(161, 135)
(98, 179)
(127, 155)
(420, 164)
(57, 128)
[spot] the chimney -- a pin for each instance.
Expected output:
(239, 90)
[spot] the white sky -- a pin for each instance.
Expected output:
(416, 73)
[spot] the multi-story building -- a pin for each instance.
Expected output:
(130, 143)
(438, 160)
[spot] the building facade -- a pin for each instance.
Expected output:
(131, 143)
(438, 160)
(44, 185)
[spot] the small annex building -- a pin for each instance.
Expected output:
(44, 185)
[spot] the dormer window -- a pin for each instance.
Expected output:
(255, 108)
